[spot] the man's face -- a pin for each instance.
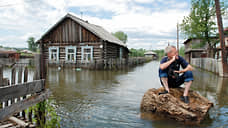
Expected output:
(172, 53)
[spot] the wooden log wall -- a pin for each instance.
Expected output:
(112, 50)
(68, 32)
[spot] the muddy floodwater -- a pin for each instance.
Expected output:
(106, 99)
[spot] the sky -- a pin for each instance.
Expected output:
(149, 24)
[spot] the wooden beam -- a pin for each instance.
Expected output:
(9, 92)
(21, 105)
(6, 125)
(21, 123)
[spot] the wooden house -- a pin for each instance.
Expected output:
(151, 54)
(75, 41)
(195, 49)
(9, 54)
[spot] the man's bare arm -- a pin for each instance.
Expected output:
(166, 64)
(188, 68)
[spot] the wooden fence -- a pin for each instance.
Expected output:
(18, 93)
(109, 64)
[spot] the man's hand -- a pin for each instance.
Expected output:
(181, 71)
(173, 59)
(166, 64)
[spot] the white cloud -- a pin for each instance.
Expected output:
(146, 26)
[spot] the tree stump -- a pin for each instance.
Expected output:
(170, 105)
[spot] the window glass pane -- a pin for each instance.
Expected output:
(87, 50)
(68, 57)
(70, 50)
(72, 57)
(89, 57)
(54, 50)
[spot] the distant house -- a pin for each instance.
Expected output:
(27, 51)
(73, 40)
(151, 54)
(4, 53)
(194, 50)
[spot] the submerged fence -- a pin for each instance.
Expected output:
(110, 64)
(18, 93)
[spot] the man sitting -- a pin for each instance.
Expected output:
(169, 72)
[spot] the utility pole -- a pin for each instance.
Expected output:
(221, 38)
(177, 38)
(81, 14)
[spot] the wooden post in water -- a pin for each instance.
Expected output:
(25, 80)
(42, 75)
(19, 80)
(13, 81)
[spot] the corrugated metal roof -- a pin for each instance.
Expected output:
(95, 29)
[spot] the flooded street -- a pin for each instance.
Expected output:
(112, 98)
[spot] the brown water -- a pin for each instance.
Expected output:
(112, 98)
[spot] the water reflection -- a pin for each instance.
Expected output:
(112, 98)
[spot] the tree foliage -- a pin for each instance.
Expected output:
(181, 51)
(121, 36)
(32, 45)
(201, 22)
(137, 52)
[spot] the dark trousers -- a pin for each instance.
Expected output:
(174, 83)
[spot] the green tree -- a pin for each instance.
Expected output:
(181, 51)
(32, 45)
(121, 36)
(201, 22)
(137, 52)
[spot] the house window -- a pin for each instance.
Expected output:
(70, 53)
(53, 53)
(87, 54)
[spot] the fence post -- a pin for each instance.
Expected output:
(42, 68)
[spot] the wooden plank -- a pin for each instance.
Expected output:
(20, 74)
(6, 125)
(8, 92)
(21, 123)
(19, 106)
(25, 80)
(13, 75)
(1, 75)
(26, 74)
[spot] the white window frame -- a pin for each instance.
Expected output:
(82, 53)
(66, 52)
(50, 53)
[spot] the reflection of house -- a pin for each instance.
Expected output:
(194, 48)
(151, 54)
(9, 54)
(73, 40)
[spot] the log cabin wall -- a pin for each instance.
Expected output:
(112, 50)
